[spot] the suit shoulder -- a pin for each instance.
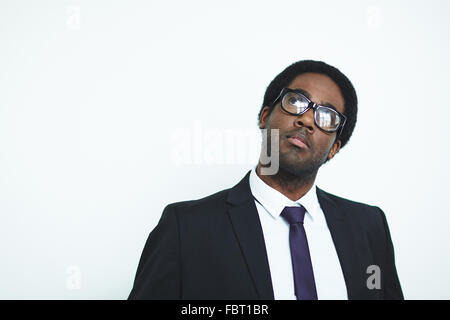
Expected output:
(204, 204)
(348, 202)
(355, 208)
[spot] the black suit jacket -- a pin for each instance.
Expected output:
(213, 248)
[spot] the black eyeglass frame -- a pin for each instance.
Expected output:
(312, 105)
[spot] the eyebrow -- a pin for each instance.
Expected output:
(306, 94)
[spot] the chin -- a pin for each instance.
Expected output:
(299, 167)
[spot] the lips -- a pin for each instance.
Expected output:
(298, 140)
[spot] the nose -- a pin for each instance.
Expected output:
(306, 120)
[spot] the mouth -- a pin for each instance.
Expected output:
(298, 141)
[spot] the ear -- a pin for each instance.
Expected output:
(334, 149)
(265, 112)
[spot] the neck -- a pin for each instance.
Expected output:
(290, 185)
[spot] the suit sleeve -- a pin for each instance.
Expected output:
(390, 282)
(158, 273)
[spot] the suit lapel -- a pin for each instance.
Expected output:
(344, 243)
(247, 227)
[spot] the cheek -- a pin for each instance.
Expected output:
(323, 144)
(272, 122)
(278, 120)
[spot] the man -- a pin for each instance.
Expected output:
(276, 235)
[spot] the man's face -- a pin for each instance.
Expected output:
(305, 157)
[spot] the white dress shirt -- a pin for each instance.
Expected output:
(328, 274)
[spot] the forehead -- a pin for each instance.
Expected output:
(321, 89)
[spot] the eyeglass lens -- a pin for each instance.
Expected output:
(326, 118)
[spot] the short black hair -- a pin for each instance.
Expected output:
(291, 72)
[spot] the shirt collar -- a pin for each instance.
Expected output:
(274, 201)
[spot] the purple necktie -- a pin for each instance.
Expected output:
(305, 287)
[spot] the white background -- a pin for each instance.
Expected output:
(98, 97)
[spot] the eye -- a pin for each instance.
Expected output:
(327, 118)
(294, 103)
(294, 100)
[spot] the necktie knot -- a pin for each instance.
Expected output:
(293, 215)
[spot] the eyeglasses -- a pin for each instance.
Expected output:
(327, 119)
